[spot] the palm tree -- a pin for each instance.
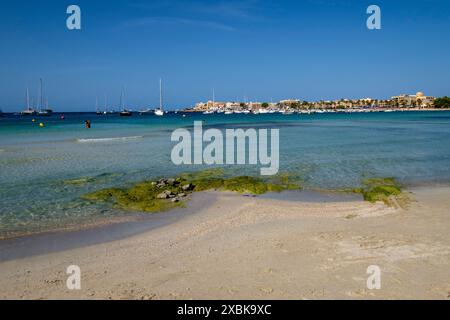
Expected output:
(419, 103)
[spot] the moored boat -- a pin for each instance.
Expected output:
(160, 111)
(125, 112)
(29, 111)
(45, 112)
(145, 112)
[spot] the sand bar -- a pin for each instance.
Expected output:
(237, 247)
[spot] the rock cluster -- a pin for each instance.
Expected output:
(187, 187)
(162, 183)
(169, 194)
(166, 195)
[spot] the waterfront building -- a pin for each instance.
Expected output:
(409, 101)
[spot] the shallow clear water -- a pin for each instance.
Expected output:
(328, 151)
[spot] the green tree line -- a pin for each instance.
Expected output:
(442, 103)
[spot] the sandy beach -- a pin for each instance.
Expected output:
(229, 246)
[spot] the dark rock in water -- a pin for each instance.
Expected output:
(187, 187)
(165, 195)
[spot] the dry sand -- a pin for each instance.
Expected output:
(239, 247)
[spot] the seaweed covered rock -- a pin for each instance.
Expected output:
(144, 196)
(380, 189)
(250, 185)
(152, 196)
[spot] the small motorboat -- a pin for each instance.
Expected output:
(145, 112)
(126, 113)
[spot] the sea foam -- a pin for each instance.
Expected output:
(95, 140)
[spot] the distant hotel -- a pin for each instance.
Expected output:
(403, 101)
(417, 100)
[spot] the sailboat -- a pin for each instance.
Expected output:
(160, 112)
(145, 111)
(29, 111)
(47, 111)
(211, 111)
(287, 112)
(124, 112)
(106, 105)
(106, 111)
(97, 111)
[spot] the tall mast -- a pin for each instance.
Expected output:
(106, 103)
(28, 100)
(214, 98)
(121, 99)
(96, 103)
(41, 96)
(160, 94)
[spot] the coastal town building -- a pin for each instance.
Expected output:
(418, 100)
(290, 102)
(255, 105)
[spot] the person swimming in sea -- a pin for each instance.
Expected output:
(87, 124)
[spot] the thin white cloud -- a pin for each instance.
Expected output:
(221, 15)
(229, 8)
(237, 9)
(146, 21)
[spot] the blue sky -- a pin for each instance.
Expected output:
(308, 49)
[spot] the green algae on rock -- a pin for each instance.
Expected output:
(379, 189)
(251, 185)
(141, 197)
(165, 194)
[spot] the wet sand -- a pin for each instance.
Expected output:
(229, 246)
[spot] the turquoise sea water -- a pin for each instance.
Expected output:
(328, 151)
